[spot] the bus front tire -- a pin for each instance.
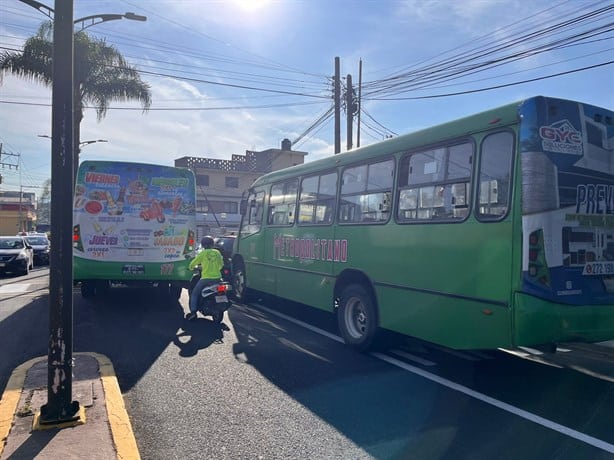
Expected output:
(239, 284)
(357, 318)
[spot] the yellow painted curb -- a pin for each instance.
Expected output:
(10, 398)
(79, 420)
(121, 429)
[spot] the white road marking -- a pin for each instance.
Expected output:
(500, 404)
(15, 288)
(417, 359)
(467, 355)
(532, 351)
(598, 443)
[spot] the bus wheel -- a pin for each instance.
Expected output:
(357, 318)
(239, 281)
(88, 289)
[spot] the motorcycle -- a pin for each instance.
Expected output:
(213, 299)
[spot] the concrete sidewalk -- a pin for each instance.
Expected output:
(103, 432)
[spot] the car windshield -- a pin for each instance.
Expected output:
(11, 244)
(37, 240)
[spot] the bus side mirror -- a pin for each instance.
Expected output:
(243, 207)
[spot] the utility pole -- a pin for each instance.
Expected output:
(60, 407)
(349, 107)
(337, 97)
(359, 102)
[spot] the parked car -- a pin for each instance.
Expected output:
(16, 255)
(40, 244)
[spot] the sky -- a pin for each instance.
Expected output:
(228, 76)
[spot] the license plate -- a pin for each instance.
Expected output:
(133, 270)
(221, 299)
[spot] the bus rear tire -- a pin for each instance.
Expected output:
(88, 289)
(357, 318)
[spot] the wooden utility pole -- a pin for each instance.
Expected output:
(337, 97)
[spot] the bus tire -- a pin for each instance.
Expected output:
(239, 283)
(88, 289)
(357, 318)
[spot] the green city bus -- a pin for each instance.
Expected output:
(494, 230)
(133, 224)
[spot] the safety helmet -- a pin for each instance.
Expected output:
(206, 242)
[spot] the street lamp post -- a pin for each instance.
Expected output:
(82, 143)
(60, 408)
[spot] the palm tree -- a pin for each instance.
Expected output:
(101, 74)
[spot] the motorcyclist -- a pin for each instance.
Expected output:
(211, 262)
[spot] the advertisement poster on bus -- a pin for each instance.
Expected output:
(133, 212)
(567, 163)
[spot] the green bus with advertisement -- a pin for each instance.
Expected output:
(495, 230)
(133, 224)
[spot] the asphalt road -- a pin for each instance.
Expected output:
(275, 382)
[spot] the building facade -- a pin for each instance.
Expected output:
(220, 184)
(17, 212)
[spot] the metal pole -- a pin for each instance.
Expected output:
(60, 407)
(337, 107)
(349, 104)
(359, 102)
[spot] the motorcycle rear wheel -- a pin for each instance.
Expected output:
(218, 317)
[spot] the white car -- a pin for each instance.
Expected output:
(16, 255)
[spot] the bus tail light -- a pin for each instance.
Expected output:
(189, 243)
(76, 238)
(538, 267)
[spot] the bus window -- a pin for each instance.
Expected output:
(435, 183)
(365, 193)
(495, 175)
(282, 203)
(252, 220)
(317, 199)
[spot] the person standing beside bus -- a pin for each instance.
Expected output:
(211, 263)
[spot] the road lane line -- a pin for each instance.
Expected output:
(499, 404)
(14, 288)
(595, 442)
(417, 359)
(301, 323)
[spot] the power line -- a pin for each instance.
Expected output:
(496, 86)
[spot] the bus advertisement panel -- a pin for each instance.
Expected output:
(133, 222)
(567, 151)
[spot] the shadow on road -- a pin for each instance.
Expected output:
(392, 413)
(130, 326)
(197, 335)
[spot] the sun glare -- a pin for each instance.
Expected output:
(251, 5)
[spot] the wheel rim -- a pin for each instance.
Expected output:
(240, 283)
(356, 318)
